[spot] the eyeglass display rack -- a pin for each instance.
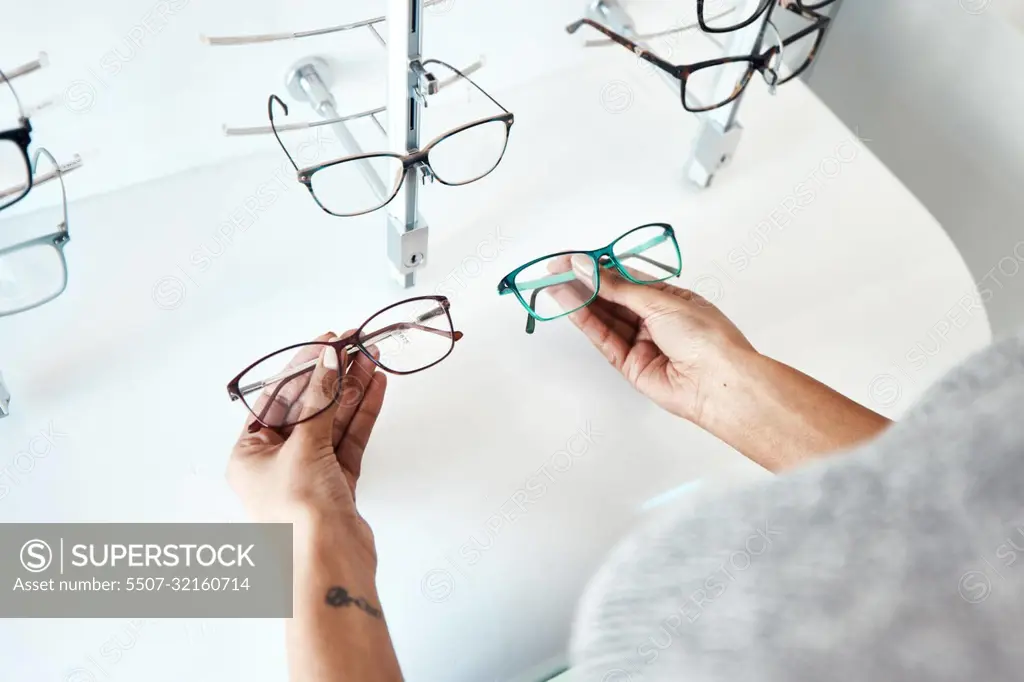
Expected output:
(310, 80)
(719, 134)
(36, 64)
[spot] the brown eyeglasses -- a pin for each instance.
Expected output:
(404, 338)
(702, 77)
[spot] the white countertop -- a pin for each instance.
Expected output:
(852, 289)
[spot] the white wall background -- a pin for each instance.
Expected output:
(935, 88)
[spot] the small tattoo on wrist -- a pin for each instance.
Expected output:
(339, 597)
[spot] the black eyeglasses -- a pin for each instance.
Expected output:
(15, 169)
(703, 77)
(458, 157)
(724, 16)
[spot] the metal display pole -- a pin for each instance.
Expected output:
(310, 80)
(407, 231)
(720, 132)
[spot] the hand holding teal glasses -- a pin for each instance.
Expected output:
(549, 288)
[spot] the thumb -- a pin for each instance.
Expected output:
(646, 300)
(319, 397)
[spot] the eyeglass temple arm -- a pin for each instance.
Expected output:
(599, 42)
(390, 330)
(463, 75)
(659, 264)
(626, 43)
(373, 338)
(273, 37)
(14, 93)
(275, 127)
(820, 21)
(74, 163)
(286, 127)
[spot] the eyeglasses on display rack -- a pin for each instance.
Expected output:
(458, 157)
(725, 16)
(404, 338)
(548, 288)
(15, 170)
(702, 77)
(801, 47)
(35, 272)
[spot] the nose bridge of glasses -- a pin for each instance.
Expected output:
(417, 159)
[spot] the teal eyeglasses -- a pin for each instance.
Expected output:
(548, 288)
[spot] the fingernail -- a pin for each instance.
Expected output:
(330, 356)
(583, 266)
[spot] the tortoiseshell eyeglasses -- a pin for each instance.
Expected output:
(711, 84)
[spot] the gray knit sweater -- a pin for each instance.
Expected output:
(900, 560)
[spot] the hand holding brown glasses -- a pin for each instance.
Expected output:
(306, 474)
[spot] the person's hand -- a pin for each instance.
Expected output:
(669, 343)
(307, 474)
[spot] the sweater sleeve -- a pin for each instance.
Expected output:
(898, 560)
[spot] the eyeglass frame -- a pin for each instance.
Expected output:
(57, 239)
(820, 23)
(21, 136)
(409, 161)
(346, 346)
(757, 62)
(508, 284)
(809, 6)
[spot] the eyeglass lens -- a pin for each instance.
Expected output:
(648, 253)
(342, 190)
(551, 289)
(410, 336)
(797, 53)
(727, 15)
(713, 86)
(29, 276)
(279, 391)
(470, 154)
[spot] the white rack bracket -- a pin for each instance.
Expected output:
(713, 149)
